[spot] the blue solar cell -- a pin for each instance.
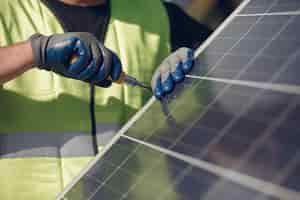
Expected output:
(268, 50)
(161, 177)
(271, 6)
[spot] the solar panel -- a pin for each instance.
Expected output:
(271, 6)
(229, 132)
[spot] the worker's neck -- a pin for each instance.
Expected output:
(84, 2)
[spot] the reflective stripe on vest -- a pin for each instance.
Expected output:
(105, 132)
(26, 145)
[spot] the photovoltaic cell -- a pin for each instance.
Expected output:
(148, 174)
(270, 6)
(240, 129)
(231, 131)
(266, 50)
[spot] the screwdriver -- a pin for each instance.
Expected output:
(130, 80)
(124, 78)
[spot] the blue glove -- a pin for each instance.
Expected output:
(94, 63)
(171, 72)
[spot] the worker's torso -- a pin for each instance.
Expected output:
(45, 136)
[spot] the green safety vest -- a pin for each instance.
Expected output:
(45, 137)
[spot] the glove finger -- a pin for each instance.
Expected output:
(168, 84)
(87, 73)
(178, 74)
(165, 73)
(104, 83)
(83, 56)
(162, 81)
(116, 68)
(158, 90)
(186, 55)
(175, 64)
(165, 69)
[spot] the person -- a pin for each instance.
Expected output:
(57, 113)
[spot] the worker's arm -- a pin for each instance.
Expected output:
(172, 71)
(94, 63)
(14, 60)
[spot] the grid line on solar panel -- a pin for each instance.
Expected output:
(279, 47)
(194, 146)
(279, 179)
(181, 171)
(226, 132)
(113, 195)
(125, 194)
(259, 71)
(225, 129)
(115, 191)
(177, 181)
(261, 141)
(239, 74)
(201, 178)
(140, 180)
(291, 166)
(122, 188)
(118, 190)
(284, 88)
(121, 166)
(243, 180)
(211, 68)
(115, 171)
(89, 167)
(236, 43)
(192, 123)
(220, 28)
(122, 169)
(270, 14)
(270, 6)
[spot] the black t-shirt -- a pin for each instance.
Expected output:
(185, 31)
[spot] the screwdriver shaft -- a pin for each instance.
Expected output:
(133, 82)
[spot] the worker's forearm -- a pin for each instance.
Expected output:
(15, 60)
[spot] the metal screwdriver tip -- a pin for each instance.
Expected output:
(133, 82)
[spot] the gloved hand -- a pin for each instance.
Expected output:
(172, 71)
(94, 64)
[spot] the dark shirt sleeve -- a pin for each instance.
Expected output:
(185, 31)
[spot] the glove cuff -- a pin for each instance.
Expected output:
(38, 43)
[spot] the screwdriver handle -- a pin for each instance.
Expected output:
(121, 79)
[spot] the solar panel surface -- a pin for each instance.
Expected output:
(271, 6)
(230, 131)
